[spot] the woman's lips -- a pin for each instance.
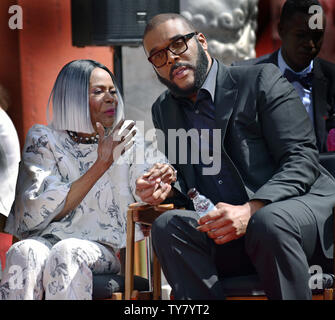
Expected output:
(110, 112)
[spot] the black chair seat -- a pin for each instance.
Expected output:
(104, 285)
(243, 286)
(327, 160)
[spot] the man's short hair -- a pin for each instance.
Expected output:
(292, 7)
(70, 97)
(163, 17)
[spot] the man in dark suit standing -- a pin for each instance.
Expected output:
(313, 78)
(274, 201)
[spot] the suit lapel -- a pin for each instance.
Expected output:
(175, 119)
(320, 85)
(225, 98)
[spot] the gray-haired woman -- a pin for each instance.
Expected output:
(76, 179)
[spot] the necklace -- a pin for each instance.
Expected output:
(94, 138)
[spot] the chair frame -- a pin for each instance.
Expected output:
(145, 214)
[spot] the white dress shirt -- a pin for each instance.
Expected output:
(305, 94)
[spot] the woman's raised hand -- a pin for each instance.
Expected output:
(112, 146)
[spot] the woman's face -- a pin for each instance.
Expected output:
(102, 98)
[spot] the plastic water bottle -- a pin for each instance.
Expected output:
(202, 205)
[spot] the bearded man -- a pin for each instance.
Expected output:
(273, 199)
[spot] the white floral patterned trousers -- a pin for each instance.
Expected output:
(63, 271)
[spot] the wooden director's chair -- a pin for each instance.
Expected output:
(130, 286)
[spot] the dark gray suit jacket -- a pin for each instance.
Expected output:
(268, 141)
(323, 92)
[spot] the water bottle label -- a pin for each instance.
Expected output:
(204, 208)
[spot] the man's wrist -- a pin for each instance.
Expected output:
(255, 205)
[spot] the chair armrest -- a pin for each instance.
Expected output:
(146, 214)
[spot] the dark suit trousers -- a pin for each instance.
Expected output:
(280, 244)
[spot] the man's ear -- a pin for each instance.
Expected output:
(203, 41)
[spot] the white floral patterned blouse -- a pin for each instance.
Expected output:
(51, 162)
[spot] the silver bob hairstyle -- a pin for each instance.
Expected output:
(70, 97)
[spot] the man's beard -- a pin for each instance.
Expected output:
(200, 73)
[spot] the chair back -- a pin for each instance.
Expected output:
(327, 160)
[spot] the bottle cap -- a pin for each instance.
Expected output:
(192, 193)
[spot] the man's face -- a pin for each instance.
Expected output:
(300, 43)
(183, 74)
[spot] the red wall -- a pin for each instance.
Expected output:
(45, 46)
